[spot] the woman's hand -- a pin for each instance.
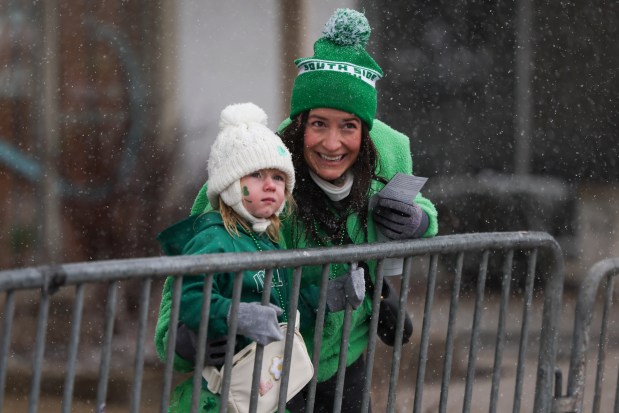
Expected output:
(349, 288)
(399, 220)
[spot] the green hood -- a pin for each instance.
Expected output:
(174, 239)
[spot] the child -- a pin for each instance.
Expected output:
(250, 179)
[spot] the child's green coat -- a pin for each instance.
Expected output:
(206, 234)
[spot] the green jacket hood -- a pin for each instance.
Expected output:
(174, 238)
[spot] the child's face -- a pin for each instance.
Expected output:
(263, 192)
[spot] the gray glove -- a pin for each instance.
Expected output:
(347, 288)
(399, 220)
(259, 322)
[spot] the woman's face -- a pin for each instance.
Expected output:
(263, 191)
(331, 142)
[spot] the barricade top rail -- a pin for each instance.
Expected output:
(54, 276)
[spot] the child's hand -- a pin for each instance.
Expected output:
(215, 351)
(186, 347)
(259, 322)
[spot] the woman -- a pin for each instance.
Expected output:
(342, 156)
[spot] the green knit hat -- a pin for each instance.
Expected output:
(341, 74)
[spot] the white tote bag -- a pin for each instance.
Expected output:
(270, 375)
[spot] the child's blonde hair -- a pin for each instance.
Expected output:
(232, 220)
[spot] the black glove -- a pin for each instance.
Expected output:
(399, 220)
(186, 346)
(388, 317)
(388, 313)
(259, 322)
(346, 288)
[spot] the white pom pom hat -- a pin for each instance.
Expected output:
(244, 145)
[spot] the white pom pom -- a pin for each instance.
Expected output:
(242, 114)
(348, 27)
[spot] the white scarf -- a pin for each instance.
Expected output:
(334, 192)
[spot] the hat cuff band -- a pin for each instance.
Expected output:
(335, 91)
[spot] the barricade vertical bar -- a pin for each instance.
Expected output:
(599, 375)
(292, 320)
(558, 382)
(106, 351)
(616, 410)
(317, 343)
(583, 315)
(500, 340)
(479, 299)
(233, 318)
(266, 298)
(397, 346)
(553, 289)
(341, 371)
(425, 333)
(367, 387)
(73, 346)
(37, 364)
(205, 312)
(453, 308)
(7, 325)
(140, 345)
(169, 363)
(524, 331)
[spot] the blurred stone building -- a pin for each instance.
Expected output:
(87, 132)
(512, 110)
(108, 111)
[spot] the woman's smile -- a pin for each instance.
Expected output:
(331, 158)
(332, 142)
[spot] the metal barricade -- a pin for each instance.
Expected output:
(492, 328)
(602, 275)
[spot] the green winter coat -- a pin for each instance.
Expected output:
(395, 156)
(205, 234)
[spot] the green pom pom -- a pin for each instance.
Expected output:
(347, 27)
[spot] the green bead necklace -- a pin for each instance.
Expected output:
(321, 243)
(277, 290)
